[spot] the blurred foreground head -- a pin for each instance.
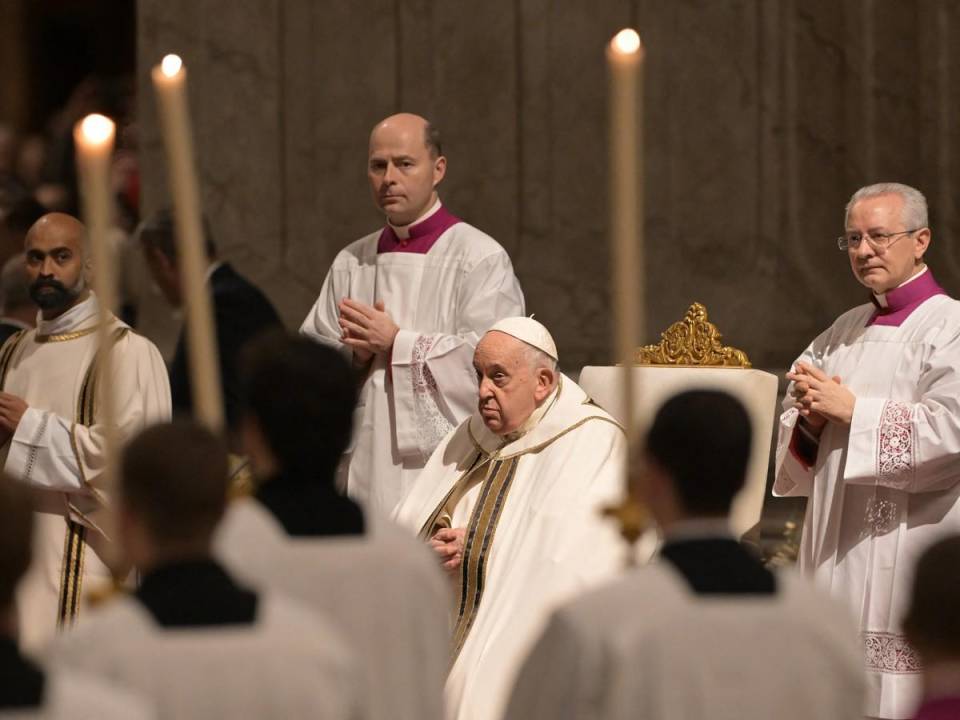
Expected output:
(173, 492)
(932, 624)
(299, 400)
(695, 458)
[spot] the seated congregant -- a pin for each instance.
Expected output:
(705, 631)
(191, 639)
(299, 534)
(27, 690)
(510, 503)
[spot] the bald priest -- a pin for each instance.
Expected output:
(408, 304)
(510, 502)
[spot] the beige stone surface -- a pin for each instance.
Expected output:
(761, 118)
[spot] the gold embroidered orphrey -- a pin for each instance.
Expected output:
(692, 341)
(498, 475)
(74, 542)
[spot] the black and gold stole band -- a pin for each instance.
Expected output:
(72, 569)
(7, 352)
(437, 519)
(479, 539)
(74, 544)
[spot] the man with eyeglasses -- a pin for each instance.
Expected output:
(871, 435)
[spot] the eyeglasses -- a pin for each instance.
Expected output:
(879, 241)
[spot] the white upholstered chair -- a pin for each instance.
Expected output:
(690, 355)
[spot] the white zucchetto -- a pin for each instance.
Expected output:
(529, 331)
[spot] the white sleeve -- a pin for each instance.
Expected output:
(52, 452)
(793, 473)
(41, 452)
(434, 383)
(911, 446)
(322, 323)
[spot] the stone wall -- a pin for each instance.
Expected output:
(762, 117)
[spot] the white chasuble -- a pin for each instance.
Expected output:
(646, 647)
(883, 489)
(535, 536)
(443, 300)
(383, 590)
(58, 449)
(287, 664)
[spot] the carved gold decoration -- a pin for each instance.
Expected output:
(692, 341)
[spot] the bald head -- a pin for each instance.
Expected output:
(60, 228)
(514, 380)
(413, 125)
(404, 167)
(55, 252)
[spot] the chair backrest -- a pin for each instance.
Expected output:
(691, 355)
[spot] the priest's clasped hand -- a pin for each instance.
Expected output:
(819, 398)
(368, 329)
(448, 544)
(12, 409)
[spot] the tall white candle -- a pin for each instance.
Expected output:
(625, 64)
(170, 84)
(94, 139)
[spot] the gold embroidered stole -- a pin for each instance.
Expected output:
(480, 532)
(7, 352)
(442, 517)
(71, 572)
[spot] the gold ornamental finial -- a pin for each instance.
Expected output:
(692, 341)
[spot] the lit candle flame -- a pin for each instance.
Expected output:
(97, 129)
(626, 42)
(170, 65)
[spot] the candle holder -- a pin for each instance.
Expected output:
(633, 519)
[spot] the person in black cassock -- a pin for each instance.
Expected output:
(241, 310)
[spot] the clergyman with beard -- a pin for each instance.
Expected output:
(51, 435)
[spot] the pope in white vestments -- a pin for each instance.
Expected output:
(48, 377)
(511, 500)
(871, 435)
(410, 302)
